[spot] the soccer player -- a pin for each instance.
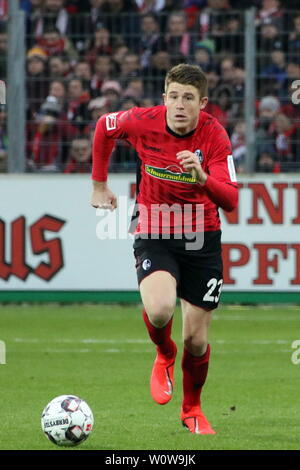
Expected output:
(184, 163)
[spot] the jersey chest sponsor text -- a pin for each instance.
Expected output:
(170, 173)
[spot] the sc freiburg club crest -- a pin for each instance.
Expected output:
(199, 154)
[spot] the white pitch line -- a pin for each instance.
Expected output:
(83, 341)
(101, 351)
(140, 341)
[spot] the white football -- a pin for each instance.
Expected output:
(67, 420)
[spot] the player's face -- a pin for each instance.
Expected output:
(183, 103)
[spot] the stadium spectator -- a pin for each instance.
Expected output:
(151, 39)
(135, 89)
(223, 99)
(130, 67)
(238, 143)
(36, 80)
(112, 91)
(54, 43)
(213, 79)
(59, 67)
(33, 14)
(216, 36)
(211, 18)
(100, 44)
(119, 52)
(148, 102)
(192, 9)
(238, 84)
(52, 13)
(270, 11)
(154, 75)
(58, 89)
(178, 40)
(95, 13)
(227, 69)
(266, 161)
(203, 55)
(49, 143)
(80, 156)
(270, 38)
(78, 98)
(170, 7)
(146, 6)
(83, 71)
(293, 68)
(287, 143)
(231, 38)
(276, 72)
(97, 107)
(104, 70)
(268, 107)
(128, 102)
(122, 17)
(294, 37)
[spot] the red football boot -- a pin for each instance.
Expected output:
(195, 421)
(162, 377)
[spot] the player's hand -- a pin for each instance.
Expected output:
(103, 197)
(191, 163)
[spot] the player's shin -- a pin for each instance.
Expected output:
(161, 337)
(194, 370)
(162, 376)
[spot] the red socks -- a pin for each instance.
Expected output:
(195, 370)
(160, 336)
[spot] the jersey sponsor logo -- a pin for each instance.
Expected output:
(170, 173)
(199, 154)
(231, 169)
(111, 121)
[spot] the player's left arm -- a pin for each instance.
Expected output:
(219, 182)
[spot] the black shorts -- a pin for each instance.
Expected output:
(198, 272)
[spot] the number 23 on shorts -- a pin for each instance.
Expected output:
(212, 285)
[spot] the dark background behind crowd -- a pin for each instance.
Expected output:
(88, 57)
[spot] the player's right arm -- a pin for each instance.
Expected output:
(109, 127)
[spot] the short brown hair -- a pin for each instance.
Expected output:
(187, 74)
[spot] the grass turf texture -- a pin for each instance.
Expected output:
(102, 353)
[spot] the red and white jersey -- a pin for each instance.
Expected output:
(162, 180)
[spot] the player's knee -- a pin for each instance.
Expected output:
(195, 345)
(160, 313)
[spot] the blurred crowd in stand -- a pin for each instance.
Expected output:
(86, 58)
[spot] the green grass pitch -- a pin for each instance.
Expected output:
(102, 353)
